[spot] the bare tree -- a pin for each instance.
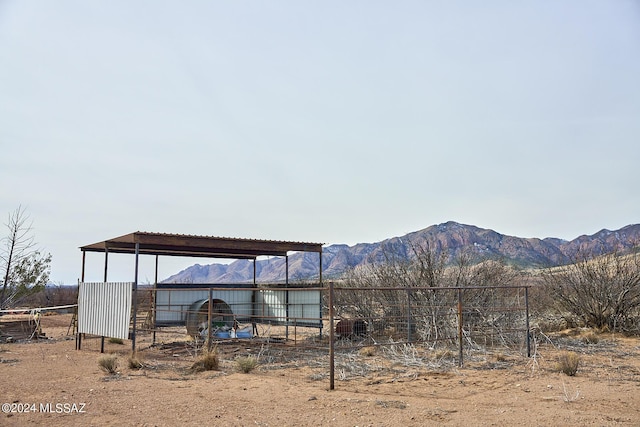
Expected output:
(25, 269)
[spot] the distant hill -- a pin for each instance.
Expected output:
(452, 237)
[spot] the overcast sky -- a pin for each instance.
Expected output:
(331, 122)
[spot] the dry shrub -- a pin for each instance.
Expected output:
(116, 341)
(208, 361)
(601, 290)
(501, 358)
(135, 361)
(246, 364)
(367, 351)
(568, 363)
(442, 353)
(108, 363)
(590, 338)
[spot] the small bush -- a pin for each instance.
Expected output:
(246, 364)
(590, 338)
(442, 353)
(108, 363)
(367, 351)
(135, 361)
(568, 363)
(501, 358)
(116, 341)
(208, 361)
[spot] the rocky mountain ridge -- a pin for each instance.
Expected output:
(451, 237)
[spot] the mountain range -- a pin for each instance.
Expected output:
(450, 237)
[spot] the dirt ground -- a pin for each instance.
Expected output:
(59, 385)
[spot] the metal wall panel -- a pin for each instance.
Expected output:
(304, 306)
(172, 304)
(105, 308)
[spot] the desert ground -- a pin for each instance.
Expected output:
(49, 382)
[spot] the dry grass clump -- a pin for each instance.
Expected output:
(590, 338)
(442, 353)
(568, 363)
(367, 351)
(135, 361)
(246, 364)
(208, 361)
(108, 363)
(116, 341)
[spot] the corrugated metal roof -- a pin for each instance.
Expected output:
(198, 246)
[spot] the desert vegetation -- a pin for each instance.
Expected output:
(424, 297)
(108, 363)
(603, 292)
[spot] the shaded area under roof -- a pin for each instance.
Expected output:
(198, 246)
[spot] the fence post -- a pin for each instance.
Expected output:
(331, 339)
(209, 315)
(460, 361)
(526, 305)
(409, 338)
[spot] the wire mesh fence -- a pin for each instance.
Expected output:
(326, 327)
(410, 323)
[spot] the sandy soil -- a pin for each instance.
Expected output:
(495, 390)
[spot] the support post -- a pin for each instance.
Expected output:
(106, 268)
(331, 340)
(526, 305)
(78, 335)
(135, 299)
(409, 326)
(286, 297)
(254, 309)
(321, 286)
(460, 360)
(209, 316)
(155, 302)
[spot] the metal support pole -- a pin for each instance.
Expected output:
(254, 309)
(155, 302)
(320, 302)
(286, 296)
(209, 316)
(409, 337)
(135, 300)
(106, 268)
(78, 335)
(526, 305)
(331, 340)
(460, 360)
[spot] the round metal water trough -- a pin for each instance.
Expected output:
(221, 316)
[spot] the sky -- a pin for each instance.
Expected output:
(329, 122)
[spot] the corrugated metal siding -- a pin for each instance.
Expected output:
(304, 306)
(172, 304)
(105, 309)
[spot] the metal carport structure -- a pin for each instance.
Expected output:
(164, 244)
